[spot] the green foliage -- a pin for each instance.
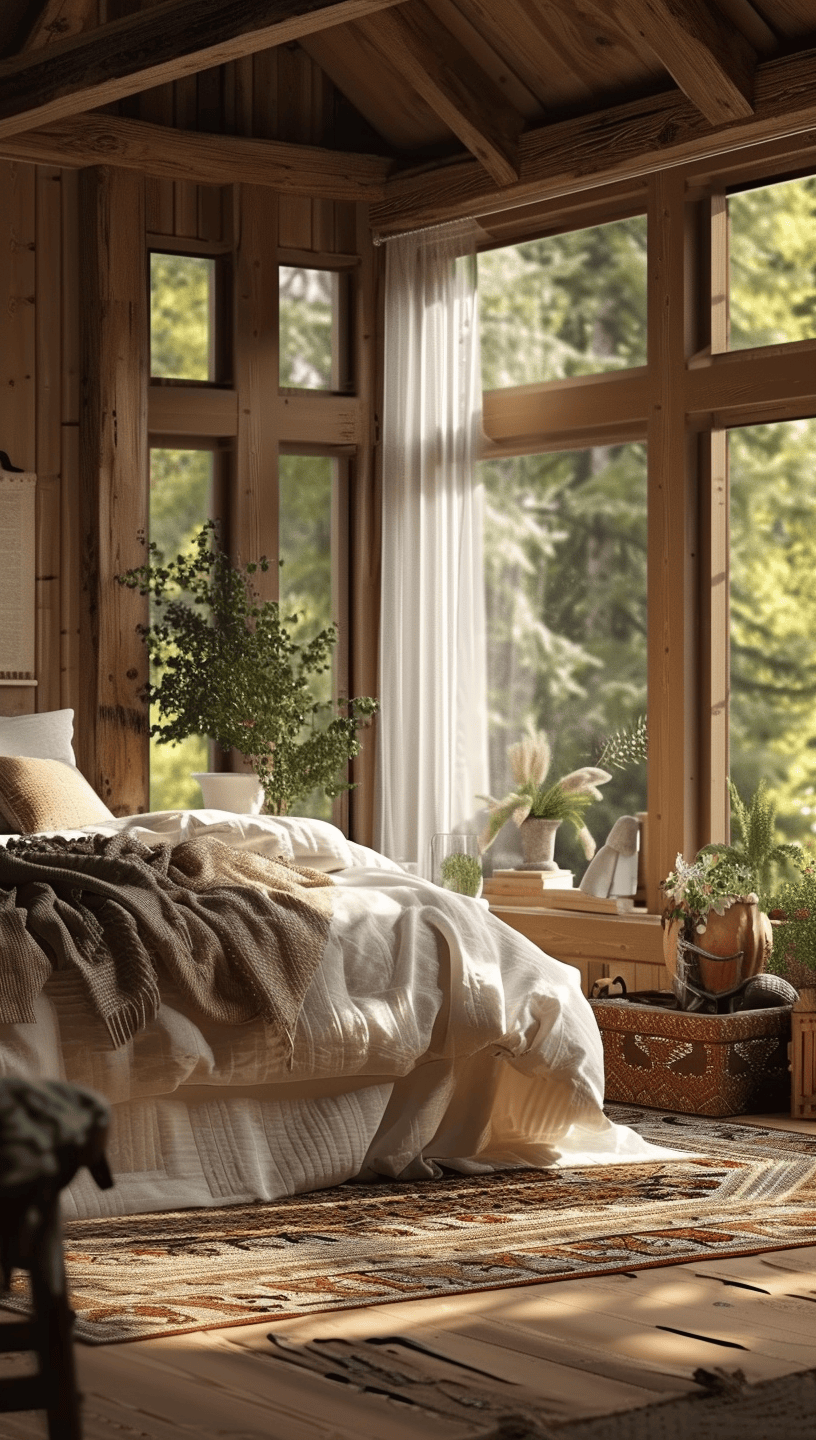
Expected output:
(565, 305)
(565, 571)
(181, 288)
(539, 802)
(794, 949)
(230, 668)
(629, 746)
(772, 283)
(713, 881)
(307, 317)
(462, 873)
(757, 851)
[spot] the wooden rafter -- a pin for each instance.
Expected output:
(170, 154)
(439, 68)
(711, 61)
(153, 47)
(638, 138)
(57, 19)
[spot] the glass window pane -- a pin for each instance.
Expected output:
(565, 572)
(773, 617)
(309, 329)
(565, 305)
(305, 526)
(772, 261)
(180, 502)
(182, 310)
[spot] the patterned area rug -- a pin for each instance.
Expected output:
(754, 1189)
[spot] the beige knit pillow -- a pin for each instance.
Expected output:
(46, 795)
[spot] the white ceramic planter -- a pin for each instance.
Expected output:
(230, 790)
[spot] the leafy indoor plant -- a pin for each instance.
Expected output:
(794, 905)
(756, 850)
(710, 904)
(532, 798)
(461, 873)
(224, 664)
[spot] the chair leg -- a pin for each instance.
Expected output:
(53, 1321)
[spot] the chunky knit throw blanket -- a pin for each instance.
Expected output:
(239, 935)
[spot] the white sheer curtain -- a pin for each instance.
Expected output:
(432, 748)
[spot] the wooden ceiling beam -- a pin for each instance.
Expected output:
(206, 159)
(711, 61)
(619, 143)
(440, 69)
(57, 19)
(152, 47)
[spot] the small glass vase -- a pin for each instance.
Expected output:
(456, 864)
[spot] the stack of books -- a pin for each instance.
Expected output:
(549, 890)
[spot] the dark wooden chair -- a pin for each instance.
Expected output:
(47, 1132)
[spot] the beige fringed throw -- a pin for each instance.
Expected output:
(239, 935)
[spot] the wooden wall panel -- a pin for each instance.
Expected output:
(18, 428)
(48, 592)
(673, 669)
(113, 474)
(254, 511)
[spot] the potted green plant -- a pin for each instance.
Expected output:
(538, 808)
(792, 908)
(462, 874)
(224, 663)
(709, 903)
(756, 849)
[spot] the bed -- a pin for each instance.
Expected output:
(430, 1035)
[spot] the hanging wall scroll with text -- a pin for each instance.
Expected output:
(17, 563)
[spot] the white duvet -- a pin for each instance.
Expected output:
(431, 1034)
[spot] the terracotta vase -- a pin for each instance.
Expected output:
(744, 928)
(538, 843)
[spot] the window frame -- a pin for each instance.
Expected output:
(692, 390)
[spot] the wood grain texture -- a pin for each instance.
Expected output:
(48, 592)
(366, 521)
(112, 729)
(254, 512)
(57, 19)
(715, 668)
(443, 72)
(170, 40)
(17, 314)
(48, 320)
(191, 410)
(162, 150)
(638, 138)
(551, 413)
(711, 61)
(672, 598)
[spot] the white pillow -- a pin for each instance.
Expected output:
(46, 736)
(259, 833)
(315, 843)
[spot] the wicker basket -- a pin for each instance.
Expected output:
(698, 1064)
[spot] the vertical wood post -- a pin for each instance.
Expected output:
(112, 734)
(365, 541)
(674, 660)
(254, 509)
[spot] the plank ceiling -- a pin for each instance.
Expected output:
(456, 105)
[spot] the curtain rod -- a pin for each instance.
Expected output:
(426, 229)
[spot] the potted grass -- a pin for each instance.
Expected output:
(225, 664)
(539, 807)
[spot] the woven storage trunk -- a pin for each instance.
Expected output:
(698, 1064)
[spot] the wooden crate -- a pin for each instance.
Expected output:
(803, 1056)
(697, 1064)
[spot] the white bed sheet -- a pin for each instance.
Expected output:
(431, 1033)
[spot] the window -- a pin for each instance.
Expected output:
(565, 575)
(772, 280)
(310, 505)
(314, 326)
(181, 484)
(182, 317)
(773, 616)
(572, 304)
